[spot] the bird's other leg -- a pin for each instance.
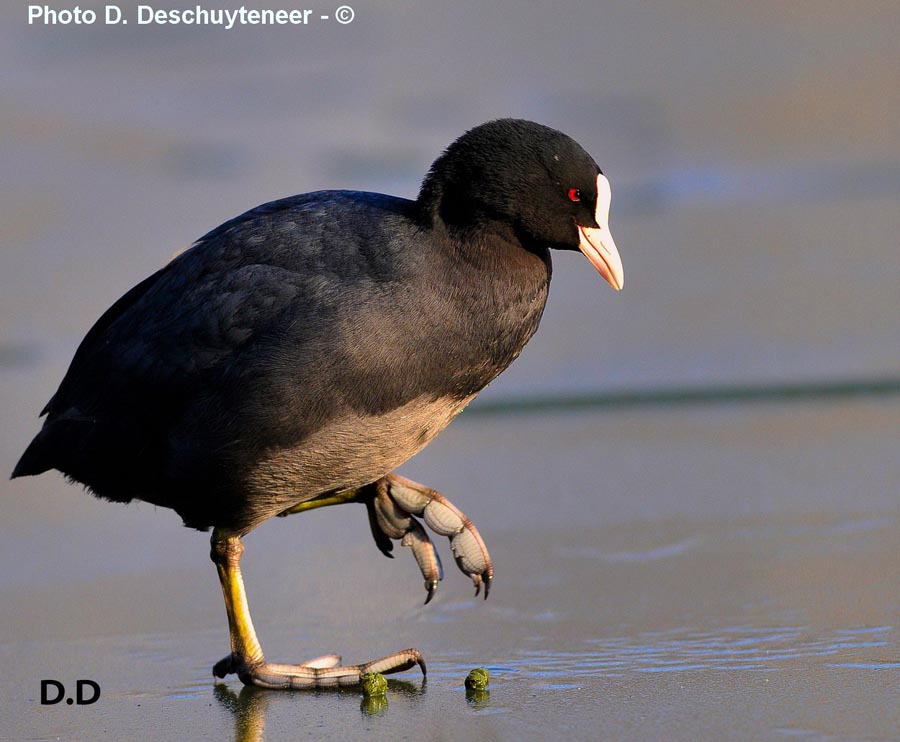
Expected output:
(246, 658)
(394, 500)
(325, 500)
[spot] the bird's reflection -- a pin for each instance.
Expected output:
(251, 705)
(249, 709)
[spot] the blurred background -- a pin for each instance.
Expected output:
(690, 489)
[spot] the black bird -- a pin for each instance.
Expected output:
(293, 357)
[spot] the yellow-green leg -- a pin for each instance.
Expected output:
(246, 658)
(323, 501)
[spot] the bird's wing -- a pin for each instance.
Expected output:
(280, 274)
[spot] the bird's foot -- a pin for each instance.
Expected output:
(322, 672)
(391, 509)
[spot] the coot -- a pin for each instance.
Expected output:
(293, 357)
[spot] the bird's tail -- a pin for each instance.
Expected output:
(34, 460)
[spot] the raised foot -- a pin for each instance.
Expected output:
(396, 500)
(321, 672)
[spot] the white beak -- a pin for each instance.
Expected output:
(597, 243)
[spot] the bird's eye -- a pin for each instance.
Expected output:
(574, 195)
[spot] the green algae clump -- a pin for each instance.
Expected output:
(478, 679)
(373, 684)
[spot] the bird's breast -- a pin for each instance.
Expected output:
(353, 449)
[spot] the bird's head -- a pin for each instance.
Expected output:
(530, 182)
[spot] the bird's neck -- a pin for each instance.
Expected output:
(496, 281)
(499, 289)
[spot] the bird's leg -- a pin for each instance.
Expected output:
(324, 501)
(246, 658)
(246, 652)
(392, 503)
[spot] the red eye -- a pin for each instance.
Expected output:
(574, 195)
